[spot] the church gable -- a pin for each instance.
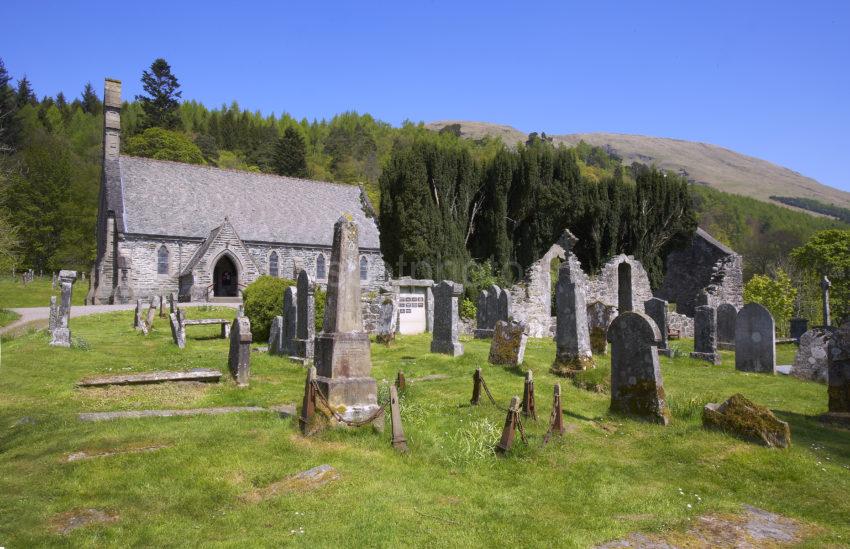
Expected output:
(222, 249)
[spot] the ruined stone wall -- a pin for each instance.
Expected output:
(531, 298)
(685, 324)
(604, 287)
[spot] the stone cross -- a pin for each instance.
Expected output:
(445, 335)
(656, 309)
(636, 385)
(342, 353)
(572, 338)
(825, 285)
(755, 340)
(305, 329)
(508, 344)
(726, 317)
(239, 360)
(705, 335)
(290, 321)
(61, 334)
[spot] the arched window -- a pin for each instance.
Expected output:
(162, 260)
(364, 269)
(273, 265)
(321, 273)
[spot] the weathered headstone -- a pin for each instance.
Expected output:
(445, 335)
(839, 376)
(342, 353)
(636, 385)
(54, 314)
(755, 340)
(276, 336)
(599, 317)
(290, 321)
(494, 304)
(572, 338)
(812, 361)
(656, 309)
(705, 335)
(625, 301)
(799, 326)
(178, 332)
(305, 330)
(138, 321)
(825, 285)
(239, 360)
(508, 345)
(171, 305)
(726, 315)
(152, 311)
(387, 321)
(161, 306)
(61, 334)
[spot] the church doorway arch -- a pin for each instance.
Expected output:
(225, 278)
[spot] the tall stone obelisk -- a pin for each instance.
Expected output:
(342, 354)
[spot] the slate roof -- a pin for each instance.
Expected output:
(160, 197)
(714, 242)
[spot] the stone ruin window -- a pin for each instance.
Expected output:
(364, 269)
(273, 264)
(320, 267)
(162, 260)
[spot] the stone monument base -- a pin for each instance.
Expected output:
(482, 333)
(61, 337)
(838, 419)
(665, 352)
(342, 355)
(447, 347)
(725, 346)
(353, 398)
(302, 349)
(714, 358)
(569, 366)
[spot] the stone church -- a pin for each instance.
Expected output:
(206, 233)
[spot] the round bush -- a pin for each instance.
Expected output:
(263, 300)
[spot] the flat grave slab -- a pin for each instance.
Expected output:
(198, 374)
(205, 321)
(134, 414)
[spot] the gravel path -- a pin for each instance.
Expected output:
(34, 314)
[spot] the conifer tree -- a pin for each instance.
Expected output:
(24, 94)
(9, 124)
(90, 102)
(160, 105)
(290, 154)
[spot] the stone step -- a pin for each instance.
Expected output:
(198, 374)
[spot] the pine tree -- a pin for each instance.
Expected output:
(24, 94)
(9, 124)
(90, 101)
(290, 154)
(160, 105)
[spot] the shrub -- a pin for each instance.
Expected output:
(776, 294)
(263, 301)
(467, 308)
(320, 297)
(164, 145)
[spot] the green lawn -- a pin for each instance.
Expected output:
(13, 294)
(607, 477)
(7, 317)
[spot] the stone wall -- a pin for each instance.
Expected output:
(531, 298)
(604, 287)
(683, 323)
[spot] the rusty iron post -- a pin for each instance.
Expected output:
(558, 420)
(399, 442)
(508, 431)
(308, 406)
(400, 382)
(528, 408)
(476, 387)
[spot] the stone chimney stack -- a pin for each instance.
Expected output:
(111, 119)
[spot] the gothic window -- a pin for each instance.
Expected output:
(364, 269)
(273, 264)
(162, 261)
(320, 267)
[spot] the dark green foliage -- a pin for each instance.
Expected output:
(208, 147)
(89, 101)
(164, 145)
(263, 300)
(160, 104)
(290, 154)
(24, 95)
(816, 206)
(9, 124)
(828, 253)
(320, 297)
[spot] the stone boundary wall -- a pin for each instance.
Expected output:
(683, 323)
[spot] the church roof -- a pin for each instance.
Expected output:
(160, 197)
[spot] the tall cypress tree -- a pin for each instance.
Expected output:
(160, 105)
(290, 154)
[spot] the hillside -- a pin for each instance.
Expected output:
(717, 167)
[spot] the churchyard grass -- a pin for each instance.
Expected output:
(607, 477)
(7, 317)
(37, 293)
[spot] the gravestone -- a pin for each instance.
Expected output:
(494, 304)
(161, 306)
(656, 309)
(705, 335)
(624, 287)
(152, 311)
(61, 334)
(342, 354)
(599, 317)
(480, 331)
(446, 319)
(276, 336)
(839, 376)
(755, 340)
(572, 338)
(138, 322)
(799, 326)
(178, 333)
(305, 329)
(387, 321)
(290, 321)
(54, 314)
(508, 345)
(825, 285)
(812, 361)
(171, 305)
(636, 385)
(726, 315)
(239, 360)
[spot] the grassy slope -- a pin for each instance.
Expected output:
(13, 294)
(608, 477)
(7, 317)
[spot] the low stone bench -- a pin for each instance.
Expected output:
(225, 324)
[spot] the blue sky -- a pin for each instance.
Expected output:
(770, 79)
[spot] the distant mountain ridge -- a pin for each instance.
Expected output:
(702, 163)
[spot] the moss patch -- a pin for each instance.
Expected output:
(743, 418)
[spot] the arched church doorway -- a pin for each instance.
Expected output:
(225, 278)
